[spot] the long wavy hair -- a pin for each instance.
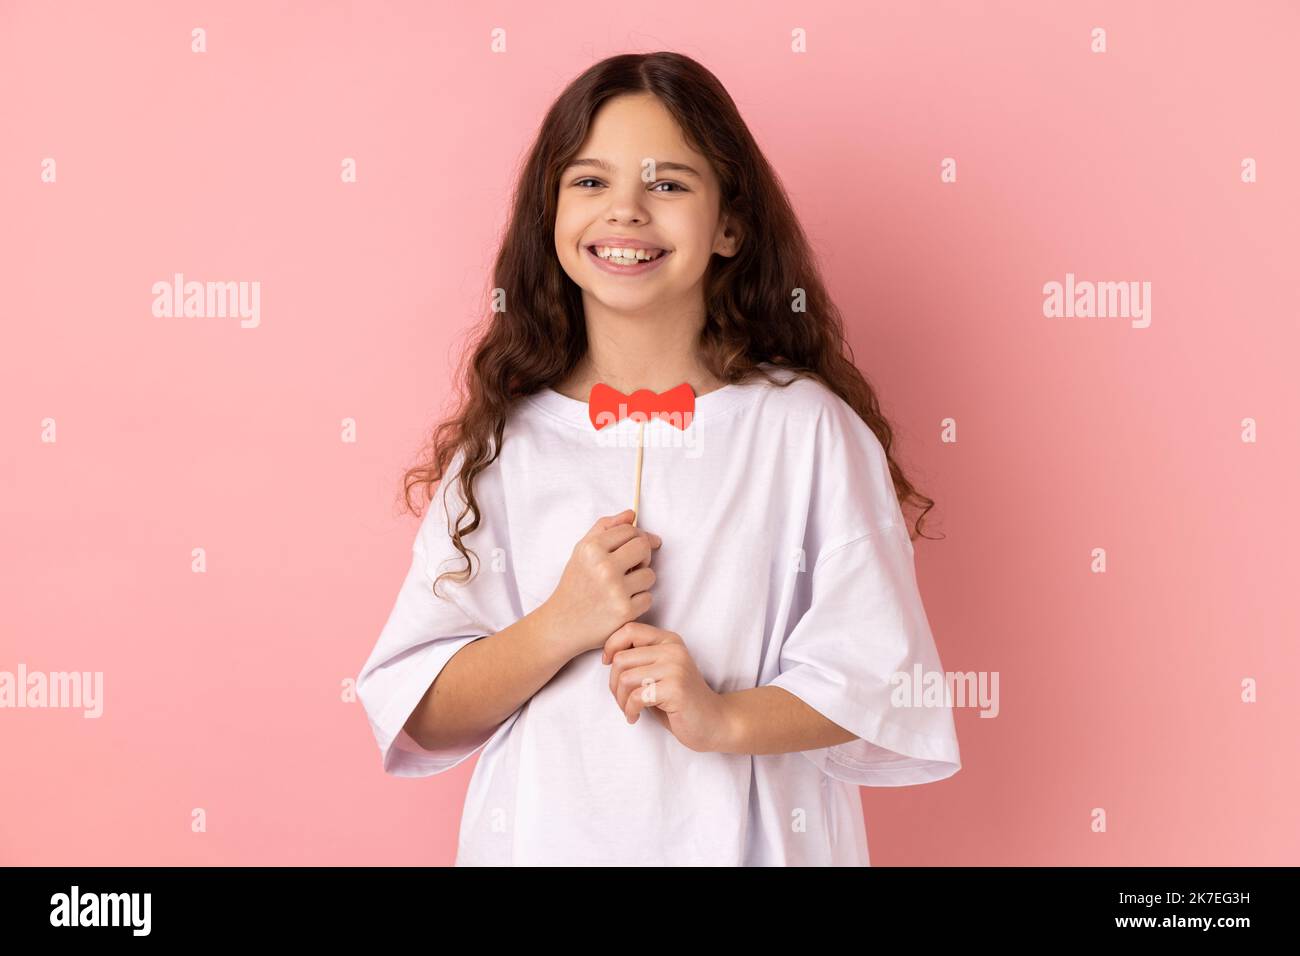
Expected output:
(537, 341)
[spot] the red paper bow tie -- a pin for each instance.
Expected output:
(607, 405)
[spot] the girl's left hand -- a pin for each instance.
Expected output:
(651, 668)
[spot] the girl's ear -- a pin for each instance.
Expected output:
(729, 237)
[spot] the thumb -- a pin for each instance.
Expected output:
(610, 521)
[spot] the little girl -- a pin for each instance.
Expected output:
(706, 680)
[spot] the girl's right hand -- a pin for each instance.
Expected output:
(605, 584)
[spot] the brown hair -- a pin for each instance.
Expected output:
(541, 336)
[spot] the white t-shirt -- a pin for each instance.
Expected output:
(785, 561)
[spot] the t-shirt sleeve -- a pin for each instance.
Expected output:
(853, 657)
(425, 630)
(863, 638)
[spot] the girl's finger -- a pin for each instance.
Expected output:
(638, 580)
(609, 521)
(633, 657)
(612, 539)
(636, 681)
(632, 634)
(653, 693)
(633, 551)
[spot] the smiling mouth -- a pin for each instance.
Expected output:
(627, 257)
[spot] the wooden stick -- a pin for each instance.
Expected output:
(640, 451)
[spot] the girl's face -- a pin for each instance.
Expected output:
(613, 195)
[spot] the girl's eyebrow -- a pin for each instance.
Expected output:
(609, 167)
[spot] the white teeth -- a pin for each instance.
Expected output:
(627, 257)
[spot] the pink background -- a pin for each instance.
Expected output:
(224, 690)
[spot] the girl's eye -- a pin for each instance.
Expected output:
(655, 187)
